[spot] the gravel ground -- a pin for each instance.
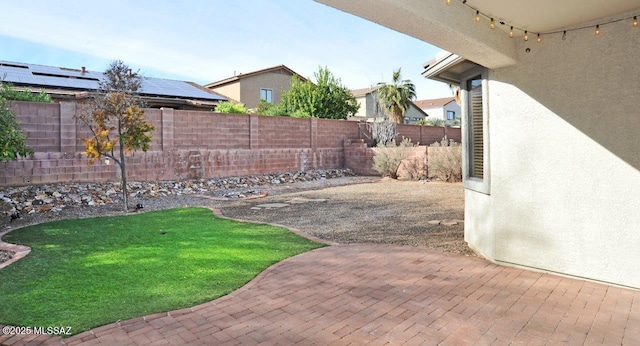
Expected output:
(384, 211)
(355, 210)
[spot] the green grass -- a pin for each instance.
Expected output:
(90, 272)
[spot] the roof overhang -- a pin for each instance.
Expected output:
(447, 68)
(452, 27)
(448, 27)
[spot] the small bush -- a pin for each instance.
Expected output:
(388, 158)
(271, 109)
(8, 93)
(415, 168)
(231, 107)
(300, 114)
(445, 162)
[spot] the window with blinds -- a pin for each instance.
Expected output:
(476, 147)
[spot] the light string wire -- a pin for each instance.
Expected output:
(539, 35)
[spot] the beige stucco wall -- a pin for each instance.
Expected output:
(229, 90)
(564, 127)
(414, 113)
(250, 87)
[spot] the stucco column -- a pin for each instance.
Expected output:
(68, 127)
(313, 131)
(166, 117)
(253, 131)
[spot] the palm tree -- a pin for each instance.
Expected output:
(396, 97)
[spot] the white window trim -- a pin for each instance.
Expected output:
(472, 183)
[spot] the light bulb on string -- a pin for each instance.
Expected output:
(539, 38)
(448, 2)
(478, 16)
(597, 29)
(635, 21)
(564, 35)
(526, 35)
(493, 24)
(511, 33)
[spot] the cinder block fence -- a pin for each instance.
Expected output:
(194, 145)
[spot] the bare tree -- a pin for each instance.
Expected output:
(116, 120)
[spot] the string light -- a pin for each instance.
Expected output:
(540, 34)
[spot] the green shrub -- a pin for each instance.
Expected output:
(445, 160)
(300, 114)
(388, 158)
(8, 93)
(271, 109)
(231, 107)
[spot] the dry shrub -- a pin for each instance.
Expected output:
(445, 160)
(414, 168)
(388, 158)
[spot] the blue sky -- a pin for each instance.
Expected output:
(205, 41)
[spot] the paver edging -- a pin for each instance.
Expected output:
(20, 251)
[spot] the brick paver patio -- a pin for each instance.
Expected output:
(382, 294)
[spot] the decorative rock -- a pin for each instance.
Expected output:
(55, 197)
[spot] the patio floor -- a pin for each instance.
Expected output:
(385, 294)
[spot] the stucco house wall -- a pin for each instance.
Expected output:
(413, 115)
(561, 175)
(250, 87)
(564, 158)
(230, 90)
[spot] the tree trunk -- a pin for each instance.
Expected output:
(123, 175)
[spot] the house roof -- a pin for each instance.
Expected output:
(74, 81)
(364, 92)
(431, 103)
(254, 73)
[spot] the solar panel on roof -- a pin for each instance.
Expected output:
(39, 76)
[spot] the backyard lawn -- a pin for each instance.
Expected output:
(89, 272)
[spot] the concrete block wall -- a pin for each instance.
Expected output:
(191, 145)
(427, 135)
(359, 158)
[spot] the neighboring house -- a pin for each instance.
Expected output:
(68, 84)
(442, 108)
(250, 88)
(371, 111)
(550, 129)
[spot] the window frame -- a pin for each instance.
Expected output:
(450, 113)
(482, 185)
(269, 92)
